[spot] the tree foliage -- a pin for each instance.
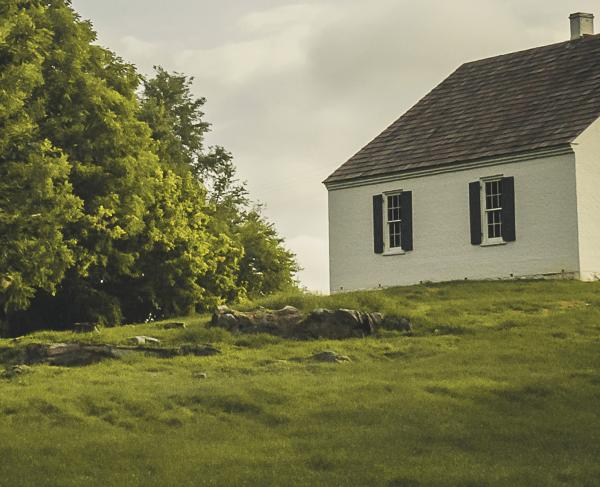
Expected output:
(111, 208)
(267, 266)
(176, 119)
(36, 196)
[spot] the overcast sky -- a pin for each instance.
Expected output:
(295, 88)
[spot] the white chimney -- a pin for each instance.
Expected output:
(581, 25)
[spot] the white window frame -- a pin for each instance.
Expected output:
(486, 240)
(388, 250)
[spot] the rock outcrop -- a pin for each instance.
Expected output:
(290, 322)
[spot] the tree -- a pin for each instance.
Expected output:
(179, 257)
(36, 198)
(176, 119)
(111, 208)
(267, 266)
(175, 116)
(86, 106)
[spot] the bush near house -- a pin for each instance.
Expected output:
(497, 386)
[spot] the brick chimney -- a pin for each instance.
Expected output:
(581, 25)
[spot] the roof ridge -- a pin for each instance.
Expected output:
(521, 52)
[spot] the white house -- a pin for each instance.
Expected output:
(495, 174)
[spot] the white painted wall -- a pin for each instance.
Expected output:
(587, 156)
(546, 222)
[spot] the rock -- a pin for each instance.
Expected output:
(76, 354)
(199, 375)
(85, 328)
(73, 354)
(174, 326)
(68, 354)
(15, 370)
(228, 321)
(288, 310)
(276, 322)
(377, 319)
(330, 356)
(144, 340)
(339, 323)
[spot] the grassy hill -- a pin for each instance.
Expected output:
(498, 386)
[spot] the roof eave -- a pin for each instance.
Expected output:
(519, 156)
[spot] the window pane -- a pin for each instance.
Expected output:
(493, 191)
(394, 231)
(394, 212)
(494, 224)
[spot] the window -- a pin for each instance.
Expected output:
(394, 221)
(492, 210)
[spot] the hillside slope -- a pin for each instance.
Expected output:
(498, 386)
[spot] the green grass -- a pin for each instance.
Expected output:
(499, 386)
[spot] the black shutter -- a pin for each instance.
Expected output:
(507, 199)
(378, 223)
(475, 212)
(406, 230)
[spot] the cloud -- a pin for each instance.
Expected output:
(285, 17)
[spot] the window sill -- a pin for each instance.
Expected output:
(393, 252)
(493, 243)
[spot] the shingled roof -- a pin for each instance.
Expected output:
(534, 99)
